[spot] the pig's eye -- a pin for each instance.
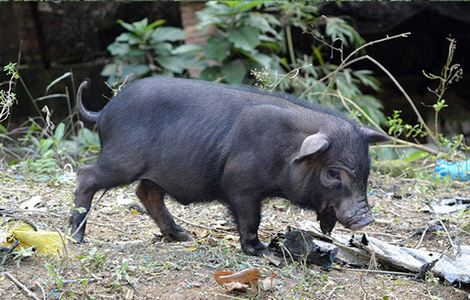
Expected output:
(331, 178)
(333, 174)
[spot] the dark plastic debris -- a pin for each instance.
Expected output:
(304, 247)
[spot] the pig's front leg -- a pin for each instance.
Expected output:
(247, 212)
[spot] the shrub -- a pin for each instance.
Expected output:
(149, 49)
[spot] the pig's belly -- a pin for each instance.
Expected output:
(188, 188)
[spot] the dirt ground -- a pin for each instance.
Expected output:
(125, 258)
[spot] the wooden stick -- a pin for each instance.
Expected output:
(88, 213)
(200, 226)
(42, 290)
(422, 237)
(21, 286)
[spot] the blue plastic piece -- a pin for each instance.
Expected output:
(456, 170)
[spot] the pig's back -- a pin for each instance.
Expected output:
(175, 131)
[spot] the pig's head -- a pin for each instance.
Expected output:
(334, 169)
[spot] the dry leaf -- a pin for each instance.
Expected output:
(248, 276)
(236, 286)
(31, 202)
(231, 237)
(277, 261)
(269, 282)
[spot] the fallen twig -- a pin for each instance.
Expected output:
(71, 281)
(447, 232)
(27, 291)
(113, 227)
(200, 226)
(10, 210)
(88, 213)
(422, 237)
(42, 289)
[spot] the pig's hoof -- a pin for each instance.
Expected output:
(179, 236)
(258, 249)
(78, 237)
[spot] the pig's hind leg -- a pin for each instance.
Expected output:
(91, 178)
(152, 198)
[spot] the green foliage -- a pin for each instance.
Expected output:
(148, 49)
(93, 261)
(247, 36)
(55, 274)
(398, 128)
(247, 42)
(46, 155)
(243, 40)
(40, 151)
(122, 275)
(8, 97)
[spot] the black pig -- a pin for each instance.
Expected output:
(199, 141)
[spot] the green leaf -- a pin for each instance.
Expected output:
(81, 210)
(170, 34)
(119, 49)
(44, 145)
(140, 27)
(246, 38)
(139, 69)
(317, 53)
(217, 48)
(234, 72)
(211, 73)
(261, 59)
(162, 48)
(241, 6)
(156, 24)
(57, 80)
(127, 37)
(108, 70)
(135, 52)
(59, 133)
(271, 45)
(125, 25)
(187, 48)
(259, 21)
(415, 155)
(172, 63)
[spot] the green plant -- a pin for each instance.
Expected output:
(148, 49)
(92, 261)
(55, 273)
(243, 39)
(246, 42)
(122, 274)
(450, 73)
(306, 82)
(397, 127)
(37, 148)
(8, 97)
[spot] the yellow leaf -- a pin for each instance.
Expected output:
(191, 249)
(47, 242)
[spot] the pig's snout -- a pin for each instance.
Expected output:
(362, 222)
(357, 217)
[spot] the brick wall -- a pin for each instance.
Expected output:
(189, 21)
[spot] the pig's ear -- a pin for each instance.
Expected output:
(374, 136)
(312, 144)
